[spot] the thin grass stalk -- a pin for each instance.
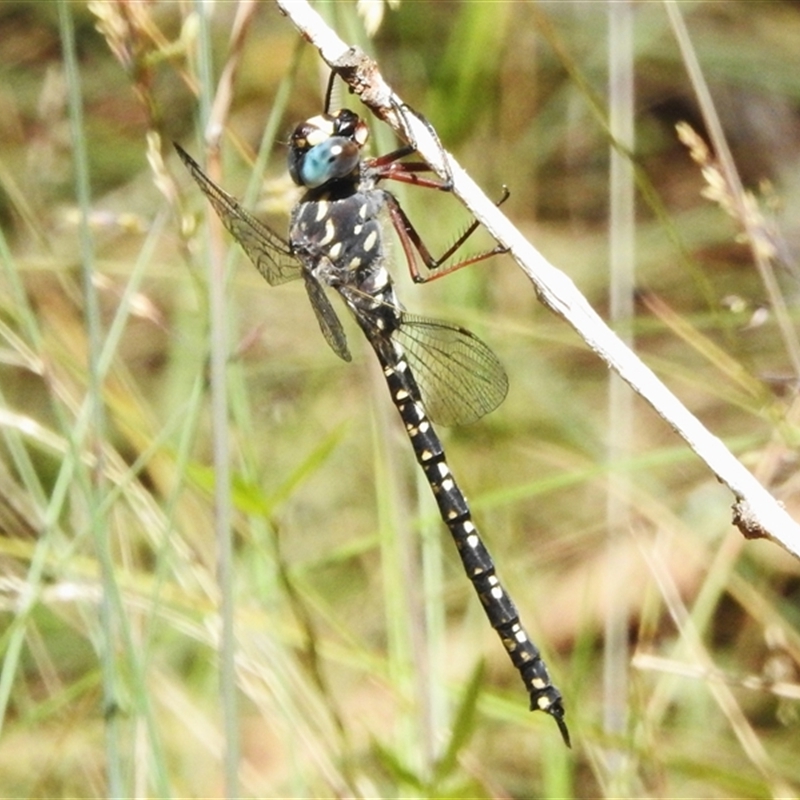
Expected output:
(13, 638)
(22, 307)
(692, 644)
(433, 591)
(150, 748)
(734, 182)
(622, 230)
(15, 635)
(28, 354)
(110, 619)
(252, 443)
(272, 128)
(218, 347)
(401, 581)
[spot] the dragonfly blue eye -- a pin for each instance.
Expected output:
(332, 159)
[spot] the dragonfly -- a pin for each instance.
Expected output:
(435, 371)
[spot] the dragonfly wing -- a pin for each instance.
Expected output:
(329, 323)
(459, 377)
(269, 252)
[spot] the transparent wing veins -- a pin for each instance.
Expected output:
(459, 377)
(329, 323)
(269, 252)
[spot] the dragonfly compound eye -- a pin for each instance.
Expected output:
(332, 159)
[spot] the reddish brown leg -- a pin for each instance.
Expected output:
(436, 267)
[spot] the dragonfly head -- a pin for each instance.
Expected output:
(326, 148)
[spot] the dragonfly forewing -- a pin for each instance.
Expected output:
(270, 253)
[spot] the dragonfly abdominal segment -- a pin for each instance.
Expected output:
(435, 371)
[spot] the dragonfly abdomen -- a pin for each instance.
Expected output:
(455, 513)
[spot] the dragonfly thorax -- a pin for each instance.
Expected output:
(345, 231)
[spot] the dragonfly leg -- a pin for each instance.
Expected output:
(436, 267)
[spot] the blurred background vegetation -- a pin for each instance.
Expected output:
(361, 645)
